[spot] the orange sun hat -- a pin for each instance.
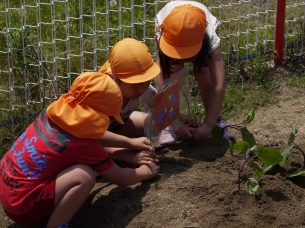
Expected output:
(84, 111)
(131, 61)
(183, 32)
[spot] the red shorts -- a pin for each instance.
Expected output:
(42, 208)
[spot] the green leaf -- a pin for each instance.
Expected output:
(295, 174)
(268, 168)
(250, 117)
(217, 133)
(292, 136)
(285, 154)
(257, 189)
(243, 146)
(230, 146)
(269, 155)
(248, 137)
(252, 186)
(258, 169)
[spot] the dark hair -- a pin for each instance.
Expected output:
(198, 63)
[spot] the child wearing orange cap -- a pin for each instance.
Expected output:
(132, 67)
(187, 34)
(49, 170)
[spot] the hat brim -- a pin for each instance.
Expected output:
(119, 119)
(144, 76)
(78, 119)
(179, 52)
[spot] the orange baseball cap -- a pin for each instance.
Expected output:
(131, 61)
(84, 111)
(183, 32)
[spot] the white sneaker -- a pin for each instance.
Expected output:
(167, 137)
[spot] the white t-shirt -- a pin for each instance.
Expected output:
(211, 21)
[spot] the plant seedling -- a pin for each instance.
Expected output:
(293, 145)
(248, 146)
(252, 186)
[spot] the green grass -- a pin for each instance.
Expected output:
(297, 81)
(240, 100)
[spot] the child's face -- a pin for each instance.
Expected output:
(181, 61)
(133, 91)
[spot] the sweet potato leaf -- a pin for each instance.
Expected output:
(248, 137)
(269, 155)
(230, 146)
(285, 154)
(252, 186)
(250, 117)
(295, 174)
(243, 146)
(292, 136)
(258, 169)
(217, 133)
(268, 168)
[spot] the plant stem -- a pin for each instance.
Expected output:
(237, 127)
(297, 147)
(189, 109)
(245, 160)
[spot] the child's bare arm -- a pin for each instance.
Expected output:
(128, 176)
(110, 139)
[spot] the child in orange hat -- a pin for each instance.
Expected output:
(49, 171)
(132, 67)
(187, 34)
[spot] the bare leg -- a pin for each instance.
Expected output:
(132, 156)
(73, 186)
(134, 126)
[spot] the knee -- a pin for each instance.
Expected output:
(85, 175)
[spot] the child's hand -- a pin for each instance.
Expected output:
(141, 157)
(202, 132)
(150, 170)
(185, 131)
(192, 121)
(141, 143)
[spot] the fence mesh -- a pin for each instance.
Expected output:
(45, 44)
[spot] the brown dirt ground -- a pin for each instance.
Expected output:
(198, 186)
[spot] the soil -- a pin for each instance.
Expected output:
(198, 183)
